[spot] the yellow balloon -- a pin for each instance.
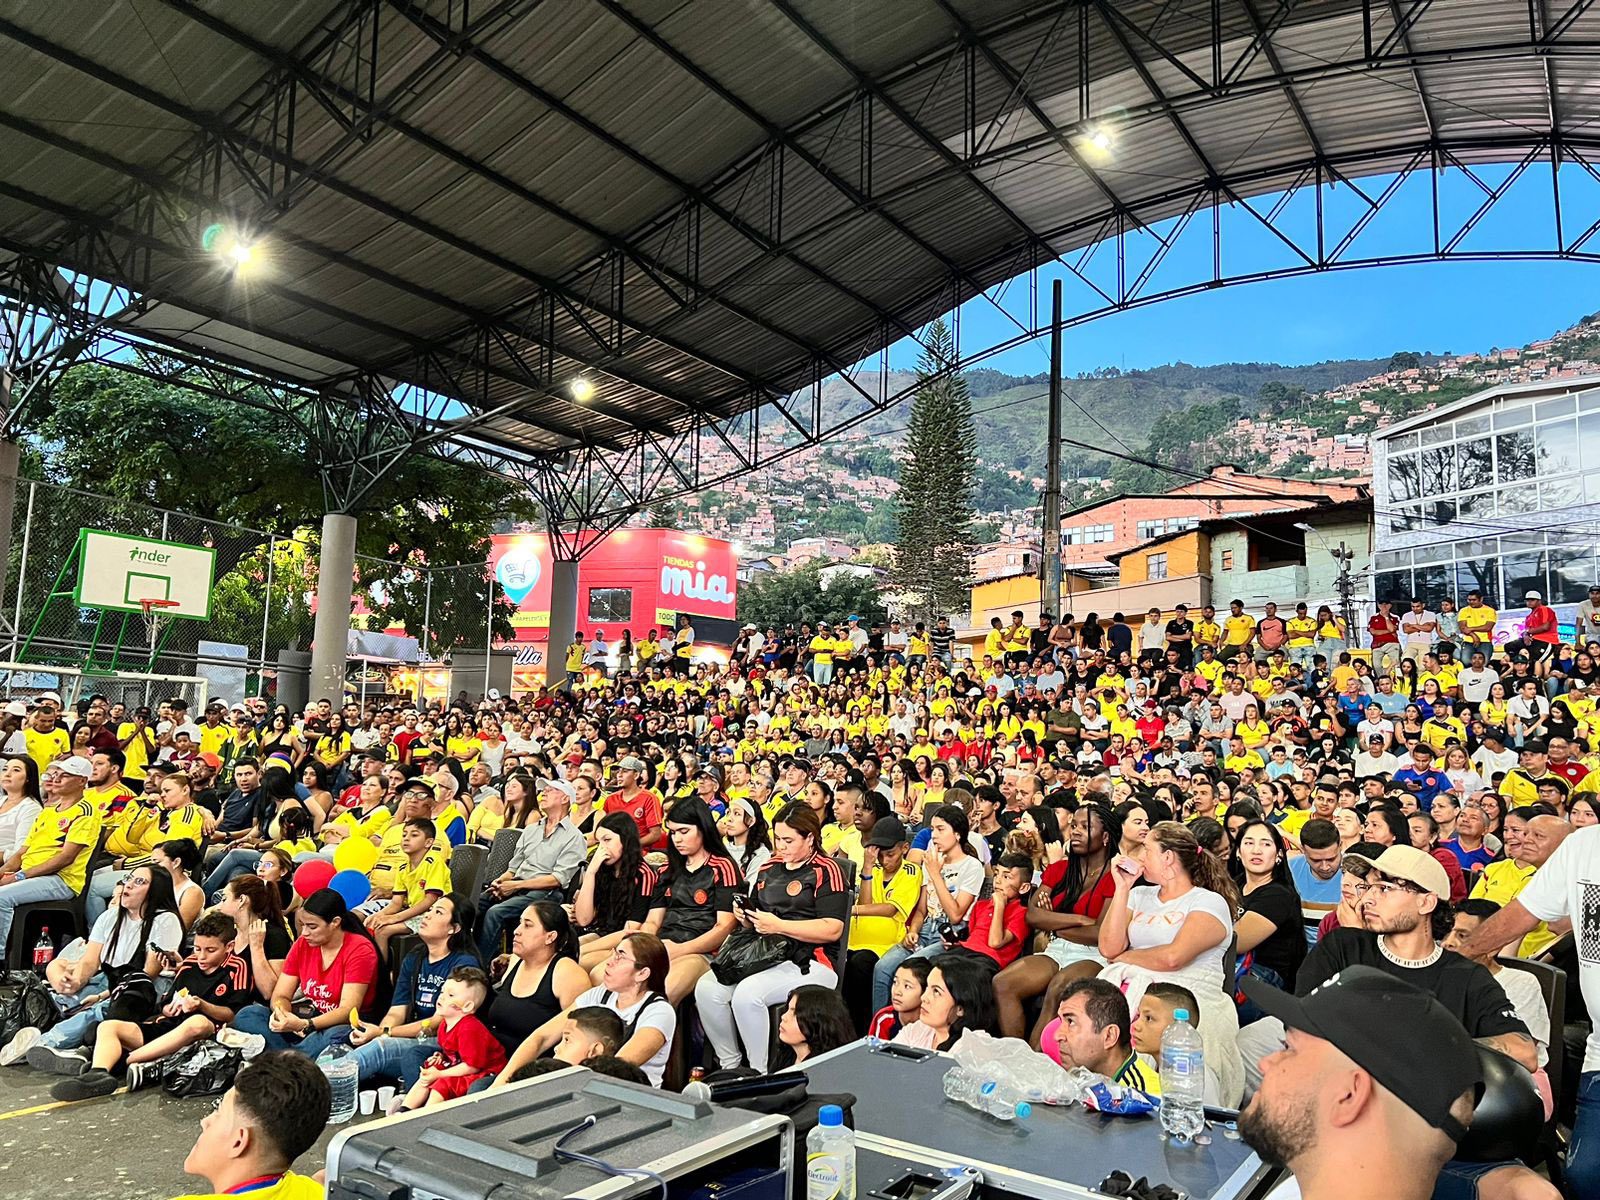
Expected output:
(355, 854)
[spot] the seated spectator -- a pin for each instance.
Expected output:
(332, 966)
(952, 878)
(813, 1023)
(591, 1033)
(905, 1000)
(959, 996)
(543, 978)
(890, 888)
(549, 854)
(1521, 987)
(212, 985)
(1158, 1010)
(396, 1045)
(997, 927)
(275, 1111)
(1268, 933)
(261, 931)
(634, 987)
(614, 891)
(180, 859)
(467, 1051)
(692, 909)
(54, 858)
(1093, 1032)
(423, 879)
(799, 895)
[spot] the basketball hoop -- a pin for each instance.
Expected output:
(152, 614)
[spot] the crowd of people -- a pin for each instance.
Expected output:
(1072, 833)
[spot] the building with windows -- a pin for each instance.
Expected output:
(1092, 533)
(1497, 493)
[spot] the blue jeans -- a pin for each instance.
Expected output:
(1583, 1155)
(254, 1018)
(394, 1058)
(27, 891)
(234, 863)
(78, 1029)
(929, 945)
(502, 913)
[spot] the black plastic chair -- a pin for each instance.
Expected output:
(19, 954)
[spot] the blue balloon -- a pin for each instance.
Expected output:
(353, 886)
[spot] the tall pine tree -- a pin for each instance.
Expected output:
(934, 513)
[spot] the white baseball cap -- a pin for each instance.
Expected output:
(17, 708)
(1532, 596)
(76, 765)
(559, 785)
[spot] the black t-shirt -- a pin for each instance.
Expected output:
(814, 890)
(694, 898)
(1462, 986)
(1120, 637)
(227, 985)
(1177, 628)
(1285, 950)
(277, 946)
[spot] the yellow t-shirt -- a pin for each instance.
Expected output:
(143, 829)
(137, 755)
(432, 874)
(822, 651)
(994, 643)
(464, 750)
(215, 740)
(330, 746)
(1239, 629)
(289, 1187)
(44, 747)
(1211, 671)
(1501, 882)
(1294, 821)
(575, 656)
(370, 826)
(104, 798)
(1207, 633)
(53, 829)
(1248, 761)
(878, 934)
(1302, 630)
(1477, 624)
(646, 650)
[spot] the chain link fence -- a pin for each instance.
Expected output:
(262, 598)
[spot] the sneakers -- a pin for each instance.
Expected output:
(143, 1075)
(247, 1044)
(57, 1062)
(91, 1083)
(17, 1048)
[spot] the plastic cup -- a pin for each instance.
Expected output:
(369, 1102)
(385, 1098)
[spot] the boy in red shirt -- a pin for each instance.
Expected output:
(467, 1050)
(997, 928)
(905, 999)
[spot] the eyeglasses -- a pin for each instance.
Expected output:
(1385, 890)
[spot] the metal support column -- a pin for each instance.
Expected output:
(1050, 559)
(336, 569)
(563, 615)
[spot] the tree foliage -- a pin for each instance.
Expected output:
(780, 598)
(140, 442)
(934, 514)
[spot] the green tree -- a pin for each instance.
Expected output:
(934, 512)
(785, 597)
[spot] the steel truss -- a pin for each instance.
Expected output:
(600, 461)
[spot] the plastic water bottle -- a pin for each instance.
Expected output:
(831, 1157)
(1003, 1102)
(43, 951)
(1183, 1079)
(338, 1063)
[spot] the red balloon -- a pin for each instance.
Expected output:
(312, 876)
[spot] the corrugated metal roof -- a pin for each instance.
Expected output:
(693, 204)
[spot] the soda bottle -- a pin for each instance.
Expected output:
(43, 951)
(1183, 1079)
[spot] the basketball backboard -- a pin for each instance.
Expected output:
(117, 571)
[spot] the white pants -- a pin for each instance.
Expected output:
(739, 1013)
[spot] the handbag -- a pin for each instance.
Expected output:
(748, 953)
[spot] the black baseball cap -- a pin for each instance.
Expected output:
(1417, 1049)
(886, 832)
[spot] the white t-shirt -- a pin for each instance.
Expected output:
(1490, 764)
(1152, 922)
(1475, 685)
(165, 934)
(655, 1013)
(963, 875)
(1522, 989)
(1384, 764)
(1569, 885)
(16, 824)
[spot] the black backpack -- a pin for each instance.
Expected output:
(34, 1005)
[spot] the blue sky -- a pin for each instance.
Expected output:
(1459, 306)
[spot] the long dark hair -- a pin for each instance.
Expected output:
(824, 1023)
(30, 786)
(265, 900)
(530, 799)
(972, 989)
(1280, 872)
(1075, 880)
(158, 899)
(616, 884)
(554, 919)
(691, 810)
(460, 941)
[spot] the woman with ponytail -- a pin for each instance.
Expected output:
(1179, 931)
(333, 963)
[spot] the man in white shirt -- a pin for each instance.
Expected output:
(1529, 711)
(1476, 679)
(1375, 726)
(1492, 757)
(1589, 616)
(1567, 886)
(1376, 760)
(1417, 630)
(895, 641)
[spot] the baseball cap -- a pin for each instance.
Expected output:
(1410, 864)
(1532, 596)
(570, 792)
(17, 708)
(888, 831)
(420, 781)
(575, 757)
(211, 760)
(51, 697)
(630, 763)
(1419, 1051)
(76, 765)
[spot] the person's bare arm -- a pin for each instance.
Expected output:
(1518, 1046)
(1510, 924)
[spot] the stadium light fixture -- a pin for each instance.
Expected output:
(582, 390)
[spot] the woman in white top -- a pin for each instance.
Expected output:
(19, 801)
(1179, 931)
(745, 833)
(1464, 781)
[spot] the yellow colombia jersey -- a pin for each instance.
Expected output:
(289, 1187)
(432, 874)
(54, 828)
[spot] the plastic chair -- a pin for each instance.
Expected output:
(467, 866)
(501, 851)
(19, 954)
(1553, 987)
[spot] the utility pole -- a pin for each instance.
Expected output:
(1346, 586)
(1050, 560)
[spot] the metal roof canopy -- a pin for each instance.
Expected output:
(700, 206)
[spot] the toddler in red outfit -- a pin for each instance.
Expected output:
(467, 1050)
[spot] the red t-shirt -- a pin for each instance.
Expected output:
(469, 1041)
(1016, 923)
(1543, 613)
(1572, 772)
(645, 808)
(1383, 634)
(356, 962)
(403, 740)
(1093, 898)
(1150, 730)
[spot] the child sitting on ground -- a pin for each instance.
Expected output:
(467, 1051)
(1157, 1009)
(212, 985)
(591, 1032)
(905, 999)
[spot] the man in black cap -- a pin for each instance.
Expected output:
(1358, 1107)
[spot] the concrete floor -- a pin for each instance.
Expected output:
(128, 1147)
